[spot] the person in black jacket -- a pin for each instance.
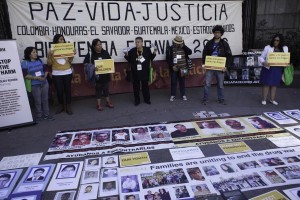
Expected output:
(216, 47)
(139, 58)
(102, 80)
(177, 56)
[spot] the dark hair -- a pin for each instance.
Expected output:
(5, 176)
(281, 41)
(128, 196)
(218, 28)
(139, 38)
(193, 170)
(178, 125)
(94, 43)
(68, 166)
(39, 169)
(27, 53)
(56, 38)
(60, 136)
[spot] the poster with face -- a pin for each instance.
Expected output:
(88, 191)
(34, 195)
(36, 178)
(92, 163)
(66, 176)
(65, 195)
(8, 179)
(110, 161)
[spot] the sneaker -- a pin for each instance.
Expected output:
(48, 117)
(184, 98)
(204, 102)
(263, 102)
(172, 98)
(274, 102)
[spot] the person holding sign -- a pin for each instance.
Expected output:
(139, 59)
(270, 77)
(33, 69)
(102, 80)
(62, 73)
(216, 47)
(177, 56)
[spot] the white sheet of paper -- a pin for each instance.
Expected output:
(66, 176)
(139, 67)
(20, 161)
(110, 161)
(280, 118)
(287, 141)
(108, 187)
(178, 56)
(142, 59)
(90, 176)
(186, 153)
(88, 191)
(293, 113)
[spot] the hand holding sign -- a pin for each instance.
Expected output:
(279, 59)
(215, 63)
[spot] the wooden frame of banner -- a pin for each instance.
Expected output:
(63, 50)
(215, 63)
(279, 59)
(109, 66)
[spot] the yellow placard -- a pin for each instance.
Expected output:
(215, 63)
(279, 59)
(134, 159)
(274, 195)
(235, 147)
(62, 50)
(105, 66)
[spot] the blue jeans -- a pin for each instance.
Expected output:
(174, 77)
(40, 96)
(220, 80)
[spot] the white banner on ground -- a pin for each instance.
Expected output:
(117, 24)
(14, 105)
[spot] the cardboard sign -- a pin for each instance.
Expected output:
(215, 63)
(235, 147)
(134, 159)
(63, 50)
(106, 66)
(279, 59)
(274, 194)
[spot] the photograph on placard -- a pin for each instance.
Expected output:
(238, 182)
(161, 193)
(227, 168)
(109, 172)
(181, 130)
(160, 136)
(101, 137)
(131, 197)
(291, 159)
(248, 165)
(210, 128)
(92, 163)
(68, 171)
(110, 198)
(234, 125)
(293, 113)
(110, 161)
(140, 134)
(280, 118)
(275, 161)
(260, 123)
(61, 141)
(8, 179)
(195, 174)
(158, 128)
(90, 176)
(294, 129)
(33, 195)
(88, 191)
(272, 176)
(82, 139)
(210, 170)
(129, 184)
(37, 174)
(181, 192)
(289, 172)
(65, 195)
(200, 189)
(108, 187)
(120, 135)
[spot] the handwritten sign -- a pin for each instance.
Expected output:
(62, 50)
(215, 63)
(106, 66)
(279, 59)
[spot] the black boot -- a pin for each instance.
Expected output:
(60, 109)
(69, 109)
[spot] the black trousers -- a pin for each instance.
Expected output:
(63, 85)
(145, 90)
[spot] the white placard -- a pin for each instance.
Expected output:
(119, 23)
(14, 105)
(280, 118)
(21, 161)
(186, 153)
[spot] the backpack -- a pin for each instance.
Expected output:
(288, 75)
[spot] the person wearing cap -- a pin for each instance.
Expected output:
(177, 56)
(216, 47)
(139, 58)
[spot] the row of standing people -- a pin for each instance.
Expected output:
(139, 59)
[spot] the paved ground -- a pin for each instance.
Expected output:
(241, 100)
